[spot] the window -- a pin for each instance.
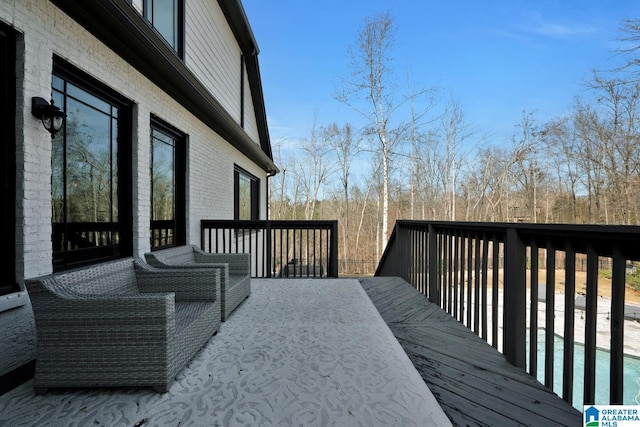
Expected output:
(168, 166)
(91, 171)
(166, 16)
(246, 195)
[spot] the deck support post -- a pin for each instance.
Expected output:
(515, 291)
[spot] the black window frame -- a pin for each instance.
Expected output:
(8, 40)
(147, 14)
(64, 260)
(177, 226)
(239, 172)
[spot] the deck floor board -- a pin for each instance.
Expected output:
(472, 381)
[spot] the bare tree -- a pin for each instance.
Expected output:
(527, 171)
(278, 197)
(346, 148)
(455, 132)
(630, 49)
(372, 82)
(615, 129)
(314, 169)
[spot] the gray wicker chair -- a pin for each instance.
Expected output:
(235, 276)
(121, 323)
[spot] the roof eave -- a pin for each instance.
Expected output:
(123, 30)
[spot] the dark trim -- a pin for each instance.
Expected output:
(18, 376)
(181, 27)
(255, 85)
(180, 175)
(239, 23)
(242, 62)
(8, 158)
(117, 24)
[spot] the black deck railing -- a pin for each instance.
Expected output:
(278, 248)
(486, 275)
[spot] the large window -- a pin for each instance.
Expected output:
(168, 164)
(91, 167)
(246, 195)
(166, 16)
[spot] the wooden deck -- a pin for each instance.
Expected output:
(472, 381)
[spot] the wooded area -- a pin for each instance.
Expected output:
(407, 160)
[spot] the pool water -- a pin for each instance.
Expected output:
(631, 373)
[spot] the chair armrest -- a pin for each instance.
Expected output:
(70, 318)
(223, 268)
(239, 264)
(188, 284)
(121, 307)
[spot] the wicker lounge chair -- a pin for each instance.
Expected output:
(121, 323)
(235, 276)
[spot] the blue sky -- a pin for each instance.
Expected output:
(496, 58)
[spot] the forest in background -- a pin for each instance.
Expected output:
(410, 158)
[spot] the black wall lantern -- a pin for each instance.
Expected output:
(51, 116)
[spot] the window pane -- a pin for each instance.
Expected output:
(139, 5)
(165, 17)
(88, 164)
(165, 20)
(57, 83)
(88, 99)
(163, 192)
(57, 163)
(115, 181)
(244, 197)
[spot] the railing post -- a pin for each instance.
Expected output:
(406, 233)
(590, 327)
(269, 254)
(333, 252)
(434, 290)
(616, 380)
(569, 319)
(515, 299)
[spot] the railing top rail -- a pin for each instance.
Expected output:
(581, 237)
(532, 227)
(318, 224)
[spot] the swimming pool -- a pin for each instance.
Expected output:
(631, 373)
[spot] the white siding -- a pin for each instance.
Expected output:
(250, 124)
(214, 57)
(212, 54)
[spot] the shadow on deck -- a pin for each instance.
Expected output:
(473, 382)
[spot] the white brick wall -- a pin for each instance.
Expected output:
(47, 32)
